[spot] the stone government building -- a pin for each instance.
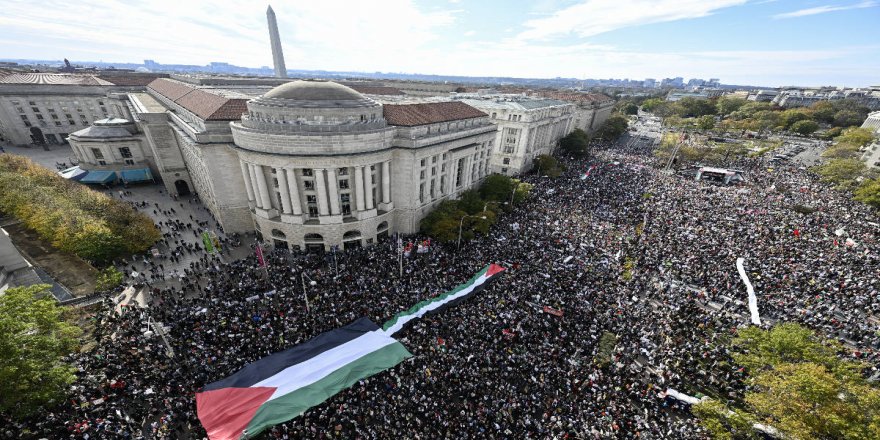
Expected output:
(308, 164)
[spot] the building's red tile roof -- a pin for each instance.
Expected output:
(204, 104)
(409, 115)
(376, 90)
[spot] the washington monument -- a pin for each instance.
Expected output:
(275, 39)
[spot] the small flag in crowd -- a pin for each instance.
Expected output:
(209, 244)
(261, 261)
(552, 311)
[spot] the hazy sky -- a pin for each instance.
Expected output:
(762, 42)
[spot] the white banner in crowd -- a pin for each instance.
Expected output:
(753, 300)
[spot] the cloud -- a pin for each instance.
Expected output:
(825, 9)
(593, 17)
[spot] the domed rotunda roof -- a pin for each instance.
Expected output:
(314, 91)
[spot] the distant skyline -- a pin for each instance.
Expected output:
(761, 42)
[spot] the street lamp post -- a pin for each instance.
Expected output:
(461, 223)
(312, 282)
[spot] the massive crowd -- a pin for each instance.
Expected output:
(652, 264)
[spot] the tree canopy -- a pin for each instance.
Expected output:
(798, 386)
(612, 128)
(804, 127)
(70, 216)
(575, 143)
(33, 341)
(841, 172)
(869, 192)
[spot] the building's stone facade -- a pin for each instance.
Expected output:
(44, 108)
(527, 128)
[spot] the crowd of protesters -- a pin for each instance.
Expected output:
(615, 248)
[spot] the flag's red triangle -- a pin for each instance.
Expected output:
(226, 412)
(493, 269)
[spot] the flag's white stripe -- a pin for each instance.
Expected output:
(753, 300)
(436, 304)
(310, 371)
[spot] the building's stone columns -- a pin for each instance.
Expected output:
(321, 192)
(333, 191)
(295, 201)
(252, 174)
(263, 187)
(246, 175)
(386, 182)
(368, 188)
(283, 189)
(359, 187)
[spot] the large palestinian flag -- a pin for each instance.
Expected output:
(284, 385)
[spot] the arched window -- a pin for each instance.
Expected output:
(382, 226)
(278, 234)
(313, 238)
(351, 235)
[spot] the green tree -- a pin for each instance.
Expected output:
(804, 127)
(548, 165)
(869, 192)
(788, 117)
(729, 104)
(725, 423)
(33, 340)
(706, 122)
(832, 133)
(575, 143)
(847, 118)
(823, 111)
(109, 278)
(497, 188)
(857, 136)
(630, 109)
(652, 104)
(841, 172)
(470, 202)
(612, 128)
(798, 386)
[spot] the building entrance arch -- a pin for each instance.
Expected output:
(182, 188)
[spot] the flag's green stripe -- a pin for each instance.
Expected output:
(293, 404)
(418, 306)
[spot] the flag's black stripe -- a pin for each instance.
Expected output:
(272, 364)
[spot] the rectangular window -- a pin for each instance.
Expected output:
(125, 152)
(422, 174)
(129, 162)
(101, 162)
(71, 122)
(313, 211)
(32, 103)
(307, 172)
(311, 200)
(506, 161)
(97, 153)
(309, 184)
(434, 171)
(345, 201)
(343, 183)
(57, 123)
(51, 110)
(504, 171)
(432, 188)
(422, 192)
(54, 116)
(20, 109)
(35, 110)
(24, 118)
(343, 171)
(434, 159)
